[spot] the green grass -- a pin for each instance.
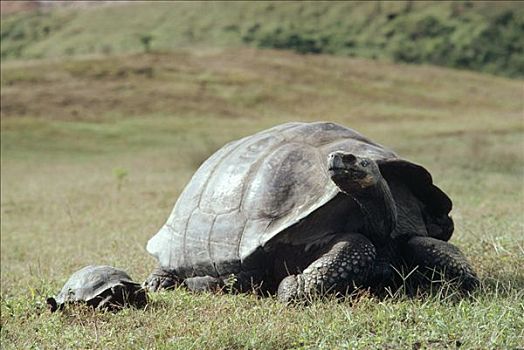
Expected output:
(95, 152)
(483, 36)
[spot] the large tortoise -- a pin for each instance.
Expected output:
(306, 207)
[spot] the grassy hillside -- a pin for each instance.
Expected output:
(483, 36)
(95, 152)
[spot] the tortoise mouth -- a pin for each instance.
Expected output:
(337, 172)
(335, 168)
(343, 166)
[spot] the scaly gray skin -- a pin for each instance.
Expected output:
(394, 234)
(351, 260)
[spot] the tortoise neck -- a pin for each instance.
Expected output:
(378, 209)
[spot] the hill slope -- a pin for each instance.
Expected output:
(480, 36)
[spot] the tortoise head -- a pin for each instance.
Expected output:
(352, 173)
(52, 305)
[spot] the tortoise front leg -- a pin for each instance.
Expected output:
(161, 278)
(342, 267)
(436, 258)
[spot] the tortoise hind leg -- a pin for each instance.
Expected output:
(344, 265)
(204, 284)
(243, 281)
(444, 259)
(160, 279)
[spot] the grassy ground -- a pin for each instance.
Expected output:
(95, 152)
(483, 36)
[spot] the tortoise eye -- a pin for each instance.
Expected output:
(364, 163)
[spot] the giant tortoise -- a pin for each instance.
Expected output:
(302, 208)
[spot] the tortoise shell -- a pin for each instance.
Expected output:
(96, 285)
(254, 189)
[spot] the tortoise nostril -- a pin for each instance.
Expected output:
(333, 157)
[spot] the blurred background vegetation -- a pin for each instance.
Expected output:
(481, 36)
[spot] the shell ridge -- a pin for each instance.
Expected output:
(239, 243)
(209, 247)
(184, 242)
